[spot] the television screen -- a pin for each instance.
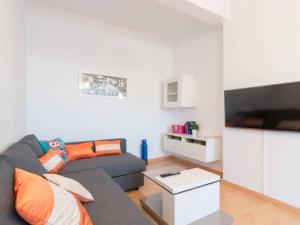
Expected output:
(274, 107)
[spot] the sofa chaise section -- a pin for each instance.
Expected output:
(111, 205)
(126, 169)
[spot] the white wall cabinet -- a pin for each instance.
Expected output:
(263, 161)
(180, 92)
(203, 149)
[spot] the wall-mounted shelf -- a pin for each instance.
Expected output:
(201, 148)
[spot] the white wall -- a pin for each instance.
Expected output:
(219, 7)
(12, 71)
(58, 45)
(201, 55)
(212, 12)
(261, 46)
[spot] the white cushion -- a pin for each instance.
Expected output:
(71, 185)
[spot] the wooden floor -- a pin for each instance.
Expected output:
(244, 207)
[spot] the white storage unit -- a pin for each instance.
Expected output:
(180, 92)
(203, 149)
(193, 187)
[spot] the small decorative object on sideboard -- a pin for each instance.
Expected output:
(189, 128)
(179, 129)
(195, 128)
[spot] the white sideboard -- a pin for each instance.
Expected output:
(204, 149)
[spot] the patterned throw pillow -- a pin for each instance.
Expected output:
(56, 144)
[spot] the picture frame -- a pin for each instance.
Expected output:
(99, 85)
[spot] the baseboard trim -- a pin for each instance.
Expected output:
(263, 197)
(159, 159)
(192, 164)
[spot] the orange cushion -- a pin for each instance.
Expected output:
(108, 147)
(39, 201)
(52, 161)
(79, 151)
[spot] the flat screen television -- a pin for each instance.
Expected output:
(273, 107)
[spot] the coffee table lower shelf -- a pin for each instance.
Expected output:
(153, 205)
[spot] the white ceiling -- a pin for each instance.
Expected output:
(148, 16)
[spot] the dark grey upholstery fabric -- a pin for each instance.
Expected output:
(111, 206)
(20, 155)
(8, 215)
(34, 144)
(114, 165)
(123, 143)
(130, 181)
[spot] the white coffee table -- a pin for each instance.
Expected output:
(186, 198)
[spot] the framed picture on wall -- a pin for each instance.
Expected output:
(92, 84)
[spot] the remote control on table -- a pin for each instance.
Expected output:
(169, 174)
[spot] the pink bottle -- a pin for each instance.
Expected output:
(173, 128)
(176, 129)
(181, 129)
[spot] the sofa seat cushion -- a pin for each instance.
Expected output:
(111, 206)
(113, 165)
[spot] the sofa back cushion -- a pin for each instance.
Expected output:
(20, 155)
(8, 213)
(34, 144)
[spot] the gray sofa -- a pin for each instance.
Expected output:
(105, 177)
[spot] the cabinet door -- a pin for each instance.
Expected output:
(172, 92)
